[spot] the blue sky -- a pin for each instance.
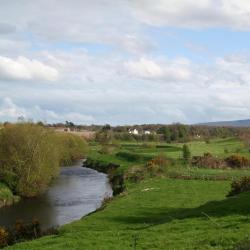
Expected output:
(124, 62)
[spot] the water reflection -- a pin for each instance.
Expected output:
(75, 193)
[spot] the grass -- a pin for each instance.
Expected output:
(162, 213)
(129, 154)
(217, 147)
(159, 214)
(6, 196)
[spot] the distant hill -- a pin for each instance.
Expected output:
(236, 123)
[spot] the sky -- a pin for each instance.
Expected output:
(124, 61)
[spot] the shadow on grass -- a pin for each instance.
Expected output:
(148, 217)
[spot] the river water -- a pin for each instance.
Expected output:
(75, 193)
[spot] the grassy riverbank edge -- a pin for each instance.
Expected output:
(7, 198)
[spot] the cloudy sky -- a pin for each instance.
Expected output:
(125, 61)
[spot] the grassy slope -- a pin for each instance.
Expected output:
(216, 147)
(159, 214)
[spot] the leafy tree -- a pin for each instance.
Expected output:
(30, 156)
(186, 153)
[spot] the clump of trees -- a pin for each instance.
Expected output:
(176, 132)
(30, 156)
(71, 147)
(186, 153)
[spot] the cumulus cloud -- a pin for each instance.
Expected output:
(167, 71)
(23, 68)
(10, 111)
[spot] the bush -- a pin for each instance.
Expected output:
(240, 186)
(23, 232)
(3, 237)
(237, 161)
(157, 165)
(186, 153)
(207, 161)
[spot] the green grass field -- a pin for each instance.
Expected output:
(163, 212)
(217, 147)
(159, 214)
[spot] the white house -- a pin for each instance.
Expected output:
(147, 132)
(134, 131)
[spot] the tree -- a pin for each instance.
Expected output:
(186, 153)
(29, 158)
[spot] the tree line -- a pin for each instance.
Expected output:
(166, 133)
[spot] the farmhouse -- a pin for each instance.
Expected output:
(134, 131)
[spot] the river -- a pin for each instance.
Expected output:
(76, 192)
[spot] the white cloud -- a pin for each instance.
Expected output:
(23, 68)
(144, 90)
(233, 14)
(10, 110)
(168, 71)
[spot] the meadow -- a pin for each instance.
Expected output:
(165, 211)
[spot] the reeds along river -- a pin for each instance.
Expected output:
(75, 193)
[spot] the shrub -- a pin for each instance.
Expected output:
(157, 165)
(3, 237)
(186, 153)
(22, 232)
(237, 161)
(207, 161)
(242, 185)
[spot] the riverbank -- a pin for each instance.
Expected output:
(7, 198)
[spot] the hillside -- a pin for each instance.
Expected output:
(236, 123)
